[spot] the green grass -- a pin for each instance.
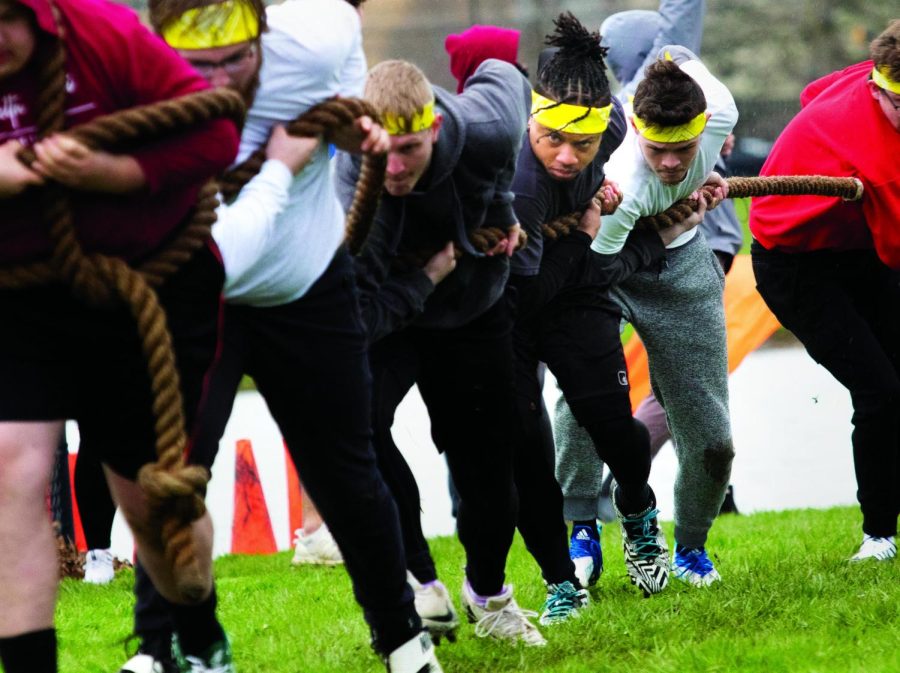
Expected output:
(789, 603)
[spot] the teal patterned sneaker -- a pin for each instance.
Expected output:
(217, 659)
(563, 602)
(694, 566)
(646, 551)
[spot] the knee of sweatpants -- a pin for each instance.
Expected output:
(717, 459)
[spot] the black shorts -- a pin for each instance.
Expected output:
(60, 359)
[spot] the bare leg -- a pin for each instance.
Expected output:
(29, 570)
(130, 498)
(312, 520)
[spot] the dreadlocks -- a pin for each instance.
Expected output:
(576, 73)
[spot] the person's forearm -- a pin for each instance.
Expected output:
(116, 174)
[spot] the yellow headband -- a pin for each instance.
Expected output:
(400, 126)
(561, 116)
(882, 79)
(671, 134)
(217, 25)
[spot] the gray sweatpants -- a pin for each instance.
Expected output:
(678, 313)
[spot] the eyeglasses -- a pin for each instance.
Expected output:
(230, 64)
(890, 100)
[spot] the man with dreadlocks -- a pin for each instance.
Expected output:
(681, 117)
(566, 319)
(292, 315)
(63, 358)
(449, 173)
(828, 268)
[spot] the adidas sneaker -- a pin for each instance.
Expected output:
(586, 554)
(878, 548)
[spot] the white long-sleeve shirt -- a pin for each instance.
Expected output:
(275, 245)
(644, 193)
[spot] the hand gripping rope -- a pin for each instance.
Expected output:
(174, 490)
(849, 189)
(326, 119)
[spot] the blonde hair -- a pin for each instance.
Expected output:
(398, 88)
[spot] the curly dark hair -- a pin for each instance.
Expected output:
(576, 73)
(668, 96)
(162, 12)
(885, 50)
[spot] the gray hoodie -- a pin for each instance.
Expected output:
(467, 186)
(635, 37)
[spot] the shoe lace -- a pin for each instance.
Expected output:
(508, 620)
(695, 560)
(562, 600)
(642, 533)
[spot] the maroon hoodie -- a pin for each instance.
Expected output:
(112, 63)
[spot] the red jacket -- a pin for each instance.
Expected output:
(841, 131)
(113, 63)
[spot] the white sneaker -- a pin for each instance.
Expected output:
(98, 567)
(878, 548)
(416, 655)
(501, 618)
(435, 608)
(317, 548)
(142, 663)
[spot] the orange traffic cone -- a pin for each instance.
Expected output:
(80, 542)
(295, 499)
(251, 529)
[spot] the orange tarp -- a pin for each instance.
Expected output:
(748, 320)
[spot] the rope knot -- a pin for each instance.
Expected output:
(176, 491)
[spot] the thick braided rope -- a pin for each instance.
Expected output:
(327, 119)
(482, 240)
(155, 120)
(849, 189)
(175, 491)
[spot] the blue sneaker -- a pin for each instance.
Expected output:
(586, 554)
(694, 567)
(563, 602)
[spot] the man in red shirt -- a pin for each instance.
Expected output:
(828, 268)
(59, 357)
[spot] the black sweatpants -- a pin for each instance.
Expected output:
(581, 346)
(309, 361)
(465, 377)
(845, 308)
